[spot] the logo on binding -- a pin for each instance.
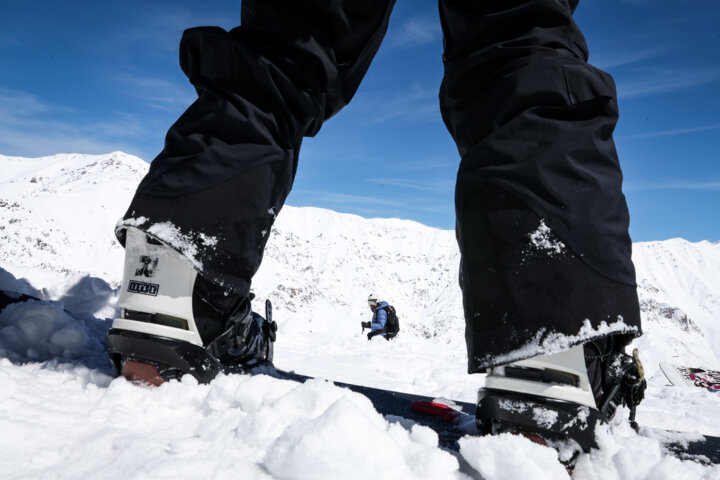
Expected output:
(143, 288)
(148, 267)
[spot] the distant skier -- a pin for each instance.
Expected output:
(384, 322)
(548, 284)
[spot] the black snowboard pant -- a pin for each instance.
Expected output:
(542, 223)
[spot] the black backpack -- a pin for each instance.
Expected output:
(393, 324)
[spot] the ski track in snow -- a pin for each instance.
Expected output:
(63, 415)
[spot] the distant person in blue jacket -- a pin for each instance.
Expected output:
(379, 324)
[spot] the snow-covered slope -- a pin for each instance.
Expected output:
(60, 406)
(319, 257)
(679, 288)
(57, 213)
(57, 216)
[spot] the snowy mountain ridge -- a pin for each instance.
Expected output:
(57, 213)
(57, 216)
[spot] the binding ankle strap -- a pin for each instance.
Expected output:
(626, 377)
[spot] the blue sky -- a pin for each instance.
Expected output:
(94, 77)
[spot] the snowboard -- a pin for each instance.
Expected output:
(692, 376)
(452, 419)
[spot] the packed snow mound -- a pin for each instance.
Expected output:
(41, 331)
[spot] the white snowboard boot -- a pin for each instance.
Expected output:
(553, 398)
(173, 321)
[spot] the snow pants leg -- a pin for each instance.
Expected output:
(229, 161)
(542, 223)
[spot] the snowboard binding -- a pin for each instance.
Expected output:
(174, 322)
(550, 400)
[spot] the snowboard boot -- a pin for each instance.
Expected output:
(174, 322)
(559, 399)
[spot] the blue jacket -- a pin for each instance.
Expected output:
(379, 317)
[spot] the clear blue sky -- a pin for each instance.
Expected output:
(94, 77)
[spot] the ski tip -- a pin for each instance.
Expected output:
(142, 373)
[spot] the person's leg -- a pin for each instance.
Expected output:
(210, 198)
(230, 159)
(542, 223)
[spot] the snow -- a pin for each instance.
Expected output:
(64, 416)
(171, 235)
(554, 342)
(624, 455)
(511, 456)
(545, 240)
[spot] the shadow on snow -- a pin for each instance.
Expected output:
(34, 328)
